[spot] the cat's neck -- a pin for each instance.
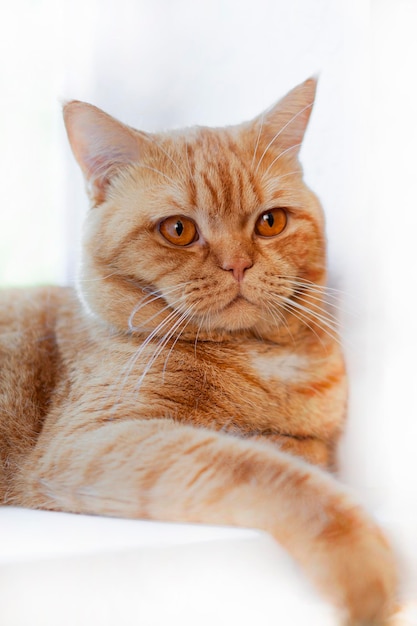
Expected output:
(292, 334)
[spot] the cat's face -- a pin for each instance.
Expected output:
(199, 230)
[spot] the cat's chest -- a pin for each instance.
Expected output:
(284, 367)
(246, 388)
(249, 389)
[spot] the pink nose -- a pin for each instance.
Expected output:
(238, 267)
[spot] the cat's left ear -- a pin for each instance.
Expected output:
(101, 145)
(283, 126)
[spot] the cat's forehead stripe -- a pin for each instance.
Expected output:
(221, 175)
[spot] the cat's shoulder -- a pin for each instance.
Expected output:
(32, 303)
(28, 315)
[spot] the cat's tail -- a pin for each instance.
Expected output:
(164, 470)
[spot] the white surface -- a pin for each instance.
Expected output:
(31, 535)
(62, 569)
(58, 569)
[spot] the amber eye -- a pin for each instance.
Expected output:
(271, 223)
(178, 230)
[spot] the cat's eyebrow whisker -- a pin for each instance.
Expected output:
(281, 154)
(281, 176)
(158, 145)
(294, 117)
(154, 169)
(257, 140)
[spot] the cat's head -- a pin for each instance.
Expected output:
(204, 229)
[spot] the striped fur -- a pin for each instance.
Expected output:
(202, 383)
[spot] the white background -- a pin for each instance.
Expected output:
(157, 64)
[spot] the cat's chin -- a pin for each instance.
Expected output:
(239, 314)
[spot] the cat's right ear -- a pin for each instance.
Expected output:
(281, 128)
(100, 143)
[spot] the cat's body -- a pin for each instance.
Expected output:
(78, 363)
(202, 358)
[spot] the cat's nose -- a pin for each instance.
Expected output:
(238, 267)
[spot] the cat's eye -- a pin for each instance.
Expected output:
(178, 230)
(271, 223)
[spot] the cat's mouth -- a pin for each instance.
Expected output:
(238, 314)
(239, 299)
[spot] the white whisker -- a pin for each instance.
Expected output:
(154, 296)
(293, 173)
(279, 317)
(303, 282)
(160, 347)
(91, 280)
(137, 354)
(294, 117)
(153, 169)
(331, 297)
(304, 320)
(281, 154)
(158, 145)
(319, 310)
(187, 318)
(197, 334)
(257, 140)
(124, 375)
(309, 317)
(307, 310)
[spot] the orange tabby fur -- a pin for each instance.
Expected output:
(197, 383)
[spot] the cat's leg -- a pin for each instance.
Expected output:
(163, 470)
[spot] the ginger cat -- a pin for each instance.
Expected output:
(195, 376)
